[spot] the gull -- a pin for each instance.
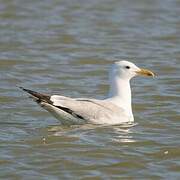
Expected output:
(114, 109)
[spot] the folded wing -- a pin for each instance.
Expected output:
(77, 111)
(92, 110)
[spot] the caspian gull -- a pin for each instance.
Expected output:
(115, 109)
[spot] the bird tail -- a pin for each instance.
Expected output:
(38, 97)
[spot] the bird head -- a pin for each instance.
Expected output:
(127, 70)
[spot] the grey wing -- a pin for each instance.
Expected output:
(87, 109)
(72, 111)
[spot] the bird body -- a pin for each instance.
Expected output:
(115, 109)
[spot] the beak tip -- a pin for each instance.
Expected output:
(152, 74)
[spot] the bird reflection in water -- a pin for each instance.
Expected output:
(116, 133)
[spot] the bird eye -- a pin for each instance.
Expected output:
(127, 67)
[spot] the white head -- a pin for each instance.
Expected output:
(127, 70)
(120, 75)
(120, 91)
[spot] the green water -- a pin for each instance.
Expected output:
(66, 47)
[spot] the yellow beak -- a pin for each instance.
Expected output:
(145, 72)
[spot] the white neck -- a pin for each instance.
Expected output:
(120, 93)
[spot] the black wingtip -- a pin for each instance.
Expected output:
(27, 90)
(33, 93)
(40, 97)
(21, 88)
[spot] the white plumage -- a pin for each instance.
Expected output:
(115, 109)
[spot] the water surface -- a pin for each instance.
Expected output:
(66, 47)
